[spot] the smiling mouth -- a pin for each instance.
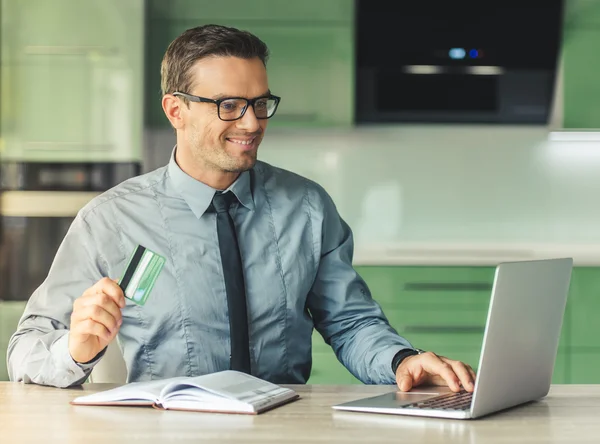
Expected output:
(243, 142)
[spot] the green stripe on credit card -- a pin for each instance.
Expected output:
(141, 273)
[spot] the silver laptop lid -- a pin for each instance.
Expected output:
(522, 333)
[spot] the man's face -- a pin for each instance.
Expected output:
(215, 144)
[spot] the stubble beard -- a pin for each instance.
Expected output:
(217, 158)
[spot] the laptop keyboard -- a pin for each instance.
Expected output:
(449, 401)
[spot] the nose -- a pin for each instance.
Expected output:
(249, 122)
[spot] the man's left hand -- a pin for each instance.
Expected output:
(429, 368)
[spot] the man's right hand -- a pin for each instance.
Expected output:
(95, 320)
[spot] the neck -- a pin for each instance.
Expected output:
(214, 178)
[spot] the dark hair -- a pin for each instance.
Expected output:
(205, 41)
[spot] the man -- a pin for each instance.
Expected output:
(255, 256)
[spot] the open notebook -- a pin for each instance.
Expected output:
(222, 392)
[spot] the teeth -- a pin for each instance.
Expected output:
(241, 142)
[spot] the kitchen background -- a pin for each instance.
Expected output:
(450, 138)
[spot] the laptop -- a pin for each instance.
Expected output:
(519, 348)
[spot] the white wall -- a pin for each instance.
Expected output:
(449, 194)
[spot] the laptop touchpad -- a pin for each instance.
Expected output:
(391, 400)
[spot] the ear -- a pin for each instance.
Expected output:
(172, 107)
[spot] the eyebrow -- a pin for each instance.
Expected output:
(227, 96)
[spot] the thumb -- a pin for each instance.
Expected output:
(408, 377)
(404, 380)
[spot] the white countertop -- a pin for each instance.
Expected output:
(472, 254)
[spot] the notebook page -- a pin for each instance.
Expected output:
(231, 385)
(134, 392)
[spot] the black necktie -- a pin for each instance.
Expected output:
(234, 282)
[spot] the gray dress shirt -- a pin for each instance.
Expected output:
(297, 257)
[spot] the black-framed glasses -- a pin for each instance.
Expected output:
(234, 108)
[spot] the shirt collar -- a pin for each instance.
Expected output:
(198, 195)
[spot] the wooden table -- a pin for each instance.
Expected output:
(34, 414)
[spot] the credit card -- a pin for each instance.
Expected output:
(140, 275)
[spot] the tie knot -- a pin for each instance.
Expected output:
(222, 201)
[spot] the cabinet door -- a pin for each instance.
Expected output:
(311, 69)
(581, 66)
(10, 313)
(582, 14)
(294, 11)
(585, 367)
(584, 328)
(561, 368)
(444, 309)
(326, 368)
(311, 62)
(437, 287)
(584, 308)
(72, 72)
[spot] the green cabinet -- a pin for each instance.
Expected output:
(444, 309)
(584, 367)
(256, 10)
(584, 309)
(562, 371)
(72, 76)
(311, 60)
(582, 13)
(310, 68)
(10, 313)
(581, 64)
(584, 328)
(326, 367)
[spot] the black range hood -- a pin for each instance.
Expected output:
(456, 61)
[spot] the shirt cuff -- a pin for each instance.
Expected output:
(386, 360)
(74, 370)
(399, 357)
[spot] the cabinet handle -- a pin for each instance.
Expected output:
(67, 146)
(70, 50)
(448, 286)
(438, 329)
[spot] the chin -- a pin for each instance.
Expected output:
(242, 165)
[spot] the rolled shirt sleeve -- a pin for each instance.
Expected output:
(38, 352)
(343, 309)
